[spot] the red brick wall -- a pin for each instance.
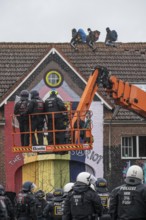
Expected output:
(2, 156)
(13, 161)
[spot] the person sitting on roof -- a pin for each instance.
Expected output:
(111, 37)
(78, 37)
(92, 37)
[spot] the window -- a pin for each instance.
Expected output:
(133, 147)
(53, 79)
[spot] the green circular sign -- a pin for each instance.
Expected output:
(53, 79)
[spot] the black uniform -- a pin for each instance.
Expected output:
(26, 206)
(55, 104)
(40, 205)
(54, 209)
(128, 202)
(103, 192)
(37, 121)
(48, 211)
(82, 203)
(21, 109)
(6, 208)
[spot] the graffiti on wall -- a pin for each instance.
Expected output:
(128, 164)
(89, 154)
(142, 164)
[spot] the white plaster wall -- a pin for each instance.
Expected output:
(94, 157)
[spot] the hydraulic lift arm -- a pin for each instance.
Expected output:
(123, 93)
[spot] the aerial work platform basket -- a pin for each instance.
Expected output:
(76, 132)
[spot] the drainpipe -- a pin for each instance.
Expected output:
(116, 110)
(109, 144)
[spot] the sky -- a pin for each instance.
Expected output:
(51, 21)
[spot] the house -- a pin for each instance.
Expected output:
(119, 134)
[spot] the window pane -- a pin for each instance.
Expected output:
(142, 146)
(127, 146)
(134, 147)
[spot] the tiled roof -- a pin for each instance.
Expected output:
(127, 61)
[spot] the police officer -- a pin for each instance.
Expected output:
(40, 204)
(83, 202)
(54, 210)
(37, 121)
(55, 104)
(22, 109)
(26, 202)
(129, 200)
(67, 188)
(103, 192)
(49, 197)
(6, 206)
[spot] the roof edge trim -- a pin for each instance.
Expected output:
(5, 100)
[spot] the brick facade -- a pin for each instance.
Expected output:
(2, 152)
(113, 164)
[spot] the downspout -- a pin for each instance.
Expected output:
(116, 110)
(109, 144)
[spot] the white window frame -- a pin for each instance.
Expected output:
(137, 148)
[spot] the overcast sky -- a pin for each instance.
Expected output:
(53, 20)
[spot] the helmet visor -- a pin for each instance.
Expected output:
(93, 180)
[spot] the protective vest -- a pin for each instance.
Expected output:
(3, 208)
(22, 204)
(51, 104)
(40, 205)
(38, 106)
(132, 202)
(80, 205)
(21, 107)
(105, 201)
(58, 210)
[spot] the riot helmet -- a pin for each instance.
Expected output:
(40, 194)
(101, 185)
(28, 186)
(58, 193)
(68, 187)
(24, 93)
(134, 175)
(2, 190)
(49, 196)
(53, 93)
(34, 94)
(85, 177)
(101, 182)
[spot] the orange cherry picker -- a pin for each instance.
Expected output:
(123, 93)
